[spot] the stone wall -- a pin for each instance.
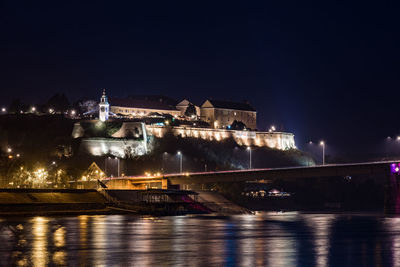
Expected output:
(277, 140)
(131, 139)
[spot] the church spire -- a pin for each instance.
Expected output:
(104, 97)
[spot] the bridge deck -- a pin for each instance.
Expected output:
(368, 168)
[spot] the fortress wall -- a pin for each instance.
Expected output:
(122, 145)
(277, 140)
(115, 147)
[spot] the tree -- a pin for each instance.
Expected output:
(237, 125)
(17, 106)
(87, 106)
(58, 102)
(190, 110)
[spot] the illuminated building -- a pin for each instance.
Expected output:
(221, 114)
(140, 106)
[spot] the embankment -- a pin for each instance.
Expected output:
(219, 204)
(28, 202)
(51, 201)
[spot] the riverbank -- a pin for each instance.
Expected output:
(28, 202)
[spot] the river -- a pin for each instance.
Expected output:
(264, 239)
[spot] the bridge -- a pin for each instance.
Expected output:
(384, 168)
(388, 170)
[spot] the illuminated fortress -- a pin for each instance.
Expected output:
(134, 120)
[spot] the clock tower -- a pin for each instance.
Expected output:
(103, 107)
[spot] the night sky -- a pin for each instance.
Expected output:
(322, 70)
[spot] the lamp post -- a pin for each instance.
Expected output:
(387, 146)
(118, 171)
(105, 165)
(322, 143)
(163, 164)
(249, 149)
(180, 162)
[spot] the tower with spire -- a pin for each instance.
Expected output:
(104, 107)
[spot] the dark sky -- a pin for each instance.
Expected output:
(321, 70)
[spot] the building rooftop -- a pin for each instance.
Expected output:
(151, 102)
(231, 105)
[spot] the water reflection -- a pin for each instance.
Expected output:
(266, 239)
(320, 225)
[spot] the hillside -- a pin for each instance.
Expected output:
(44, 142)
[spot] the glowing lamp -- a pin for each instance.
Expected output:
(395, 168)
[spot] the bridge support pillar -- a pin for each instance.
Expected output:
(392, 194)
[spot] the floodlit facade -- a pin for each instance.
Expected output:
(142, 106)
(276, 140)
(221, 114)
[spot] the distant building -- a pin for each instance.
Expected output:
(138, 106)
(221, 114)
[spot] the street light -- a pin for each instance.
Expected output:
(249, 149)
(105, 165)
(387, 147)
(180, 164)
(163, 164)
(322, 143)
(118, 171)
